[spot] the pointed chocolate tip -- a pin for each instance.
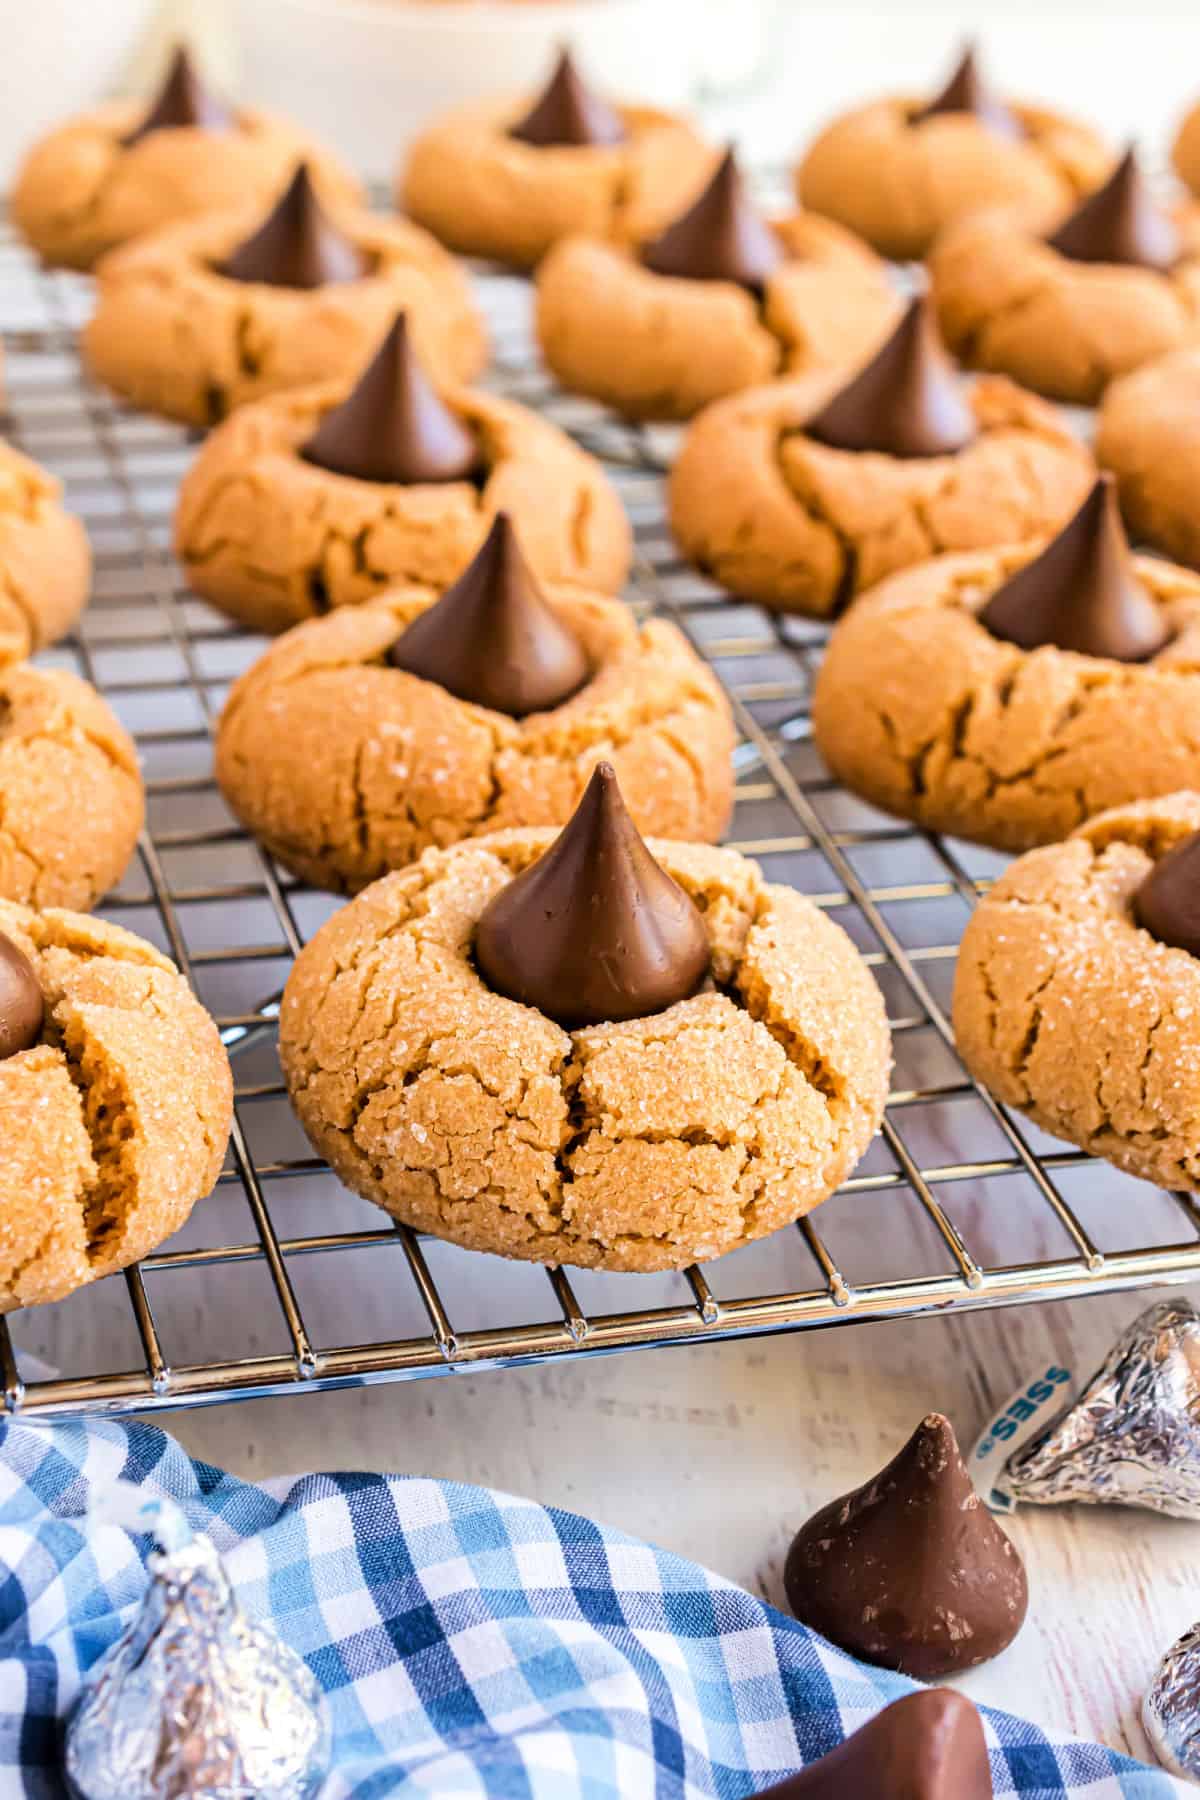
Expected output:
(927, 1746)
(297, 245)
(567, 112)
(721, 237)
(1120, 222)
(594, 931)
(393, 425)
(182, 100)
(1167, 904)
(967, 92)
(907, 401)
(1081, 592)
(22, 1008)
(910, 1571)
(492, 638)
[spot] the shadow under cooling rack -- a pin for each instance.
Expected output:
(283, 1280)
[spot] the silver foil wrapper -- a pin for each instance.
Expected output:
(1171, 1709)
(1132, 1437)
(195, 1701)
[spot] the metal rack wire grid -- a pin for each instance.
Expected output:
(283, 1281)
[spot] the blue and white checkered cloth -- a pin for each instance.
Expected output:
(470, 1644)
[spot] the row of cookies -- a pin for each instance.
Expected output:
(197, 319)
(617, 1202)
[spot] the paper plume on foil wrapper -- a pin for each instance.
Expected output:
(1171, 1709)
(195, 1701)
(1132, 1438)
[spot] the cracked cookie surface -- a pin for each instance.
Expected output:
(394, 764)
(775, 516)
(918, 708)
(174, 336)
(71, 798)
(484, 193)
(272, 539)
(45, 561)
(638, 1146)
(660, 347)
(1009, 302)
(1148, 434)
(81, 192)
(897, 182)
(1070, 1011)
(115, 1124)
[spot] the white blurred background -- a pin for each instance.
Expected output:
(366, 73)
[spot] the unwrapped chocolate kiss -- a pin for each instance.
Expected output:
(906, 401)
(393, 425)
(297, 245)
(595, 930)
(492, 638)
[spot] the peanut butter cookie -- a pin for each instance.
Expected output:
(1070, 1008)
(270, 530)
(641, 1145)
(115, 1102)
(927, 713)
(70, 790)
(394, 763)
(177, 332)
(1148, 434)
(495, 179)
(660, 346)
(1116, 285)
(45, 561)
(777, 516)
(118, 171)
(1185, 151)
(900, 169)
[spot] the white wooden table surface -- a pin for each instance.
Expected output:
(719, 1452)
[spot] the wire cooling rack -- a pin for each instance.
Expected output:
(282, 1280)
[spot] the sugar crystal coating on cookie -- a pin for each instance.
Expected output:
(967, 92)
(1120, 222)
(21, 1005)
(927, 1746)
(910, 1571)
(721, 237)
(297, 245)
(1167, 904)
(596, 930)
(183, 100)
(1081, 593)
(393, 425)
(907, 401)
(492, 638)
(567, 112)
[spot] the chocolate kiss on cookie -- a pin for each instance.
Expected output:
(393, 425)
(928, 1746)
(1167, 904)
(1081, 592)
(1120, 223)
(721, 237)
(907, 401)
(21, 1004)
(910, 1571)
(492, 638)
(568, 112)
(595, 930)
(297, 245)
(967, 92)
(183, 99)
